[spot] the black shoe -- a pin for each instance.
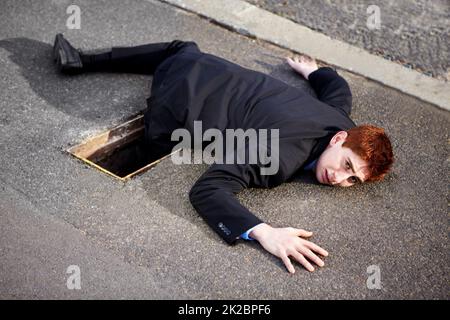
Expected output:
(67, 58)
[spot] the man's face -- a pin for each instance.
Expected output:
(339, 166)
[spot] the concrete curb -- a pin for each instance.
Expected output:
(250, 20)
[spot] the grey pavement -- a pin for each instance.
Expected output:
(413, 33)
(142, 238)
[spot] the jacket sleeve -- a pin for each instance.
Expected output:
(213, 196)
(331, 88)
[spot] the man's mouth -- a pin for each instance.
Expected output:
(325, 176)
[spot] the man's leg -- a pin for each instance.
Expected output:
(142, 59)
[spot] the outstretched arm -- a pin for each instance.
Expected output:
(329, 86)
(213, 196)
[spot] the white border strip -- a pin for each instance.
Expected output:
(251, 20)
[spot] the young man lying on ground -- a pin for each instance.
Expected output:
(314, 133)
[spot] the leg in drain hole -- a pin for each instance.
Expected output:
(143, 59)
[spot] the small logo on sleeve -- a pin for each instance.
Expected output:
(224, 228)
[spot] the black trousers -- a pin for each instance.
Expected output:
(143, 59)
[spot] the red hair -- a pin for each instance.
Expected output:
(373, 146)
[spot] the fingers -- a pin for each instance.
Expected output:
(300, 59)
(287, 262)
(310, 245)
(304, 233)
(303, 251)
(301, 259)
(301, 233)
(292, 61)
(306, 58)
(316, 248)
(311, 256)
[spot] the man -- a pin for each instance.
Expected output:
(314, 133)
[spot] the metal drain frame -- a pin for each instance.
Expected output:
(110, 140)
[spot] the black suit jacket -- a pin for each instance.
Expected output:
(193, 85)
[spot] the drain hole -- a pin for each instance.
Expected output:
(126, 159)
(121, 152)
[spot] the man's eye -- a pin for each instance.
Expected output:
(347, 165)
(353, 180)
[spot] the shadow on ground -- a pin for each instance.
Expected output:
(87, 96)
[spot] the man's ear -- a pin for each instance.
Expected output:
(338, 137)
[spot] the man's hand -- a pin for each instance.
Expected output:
(304, 65)
(285, 242)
